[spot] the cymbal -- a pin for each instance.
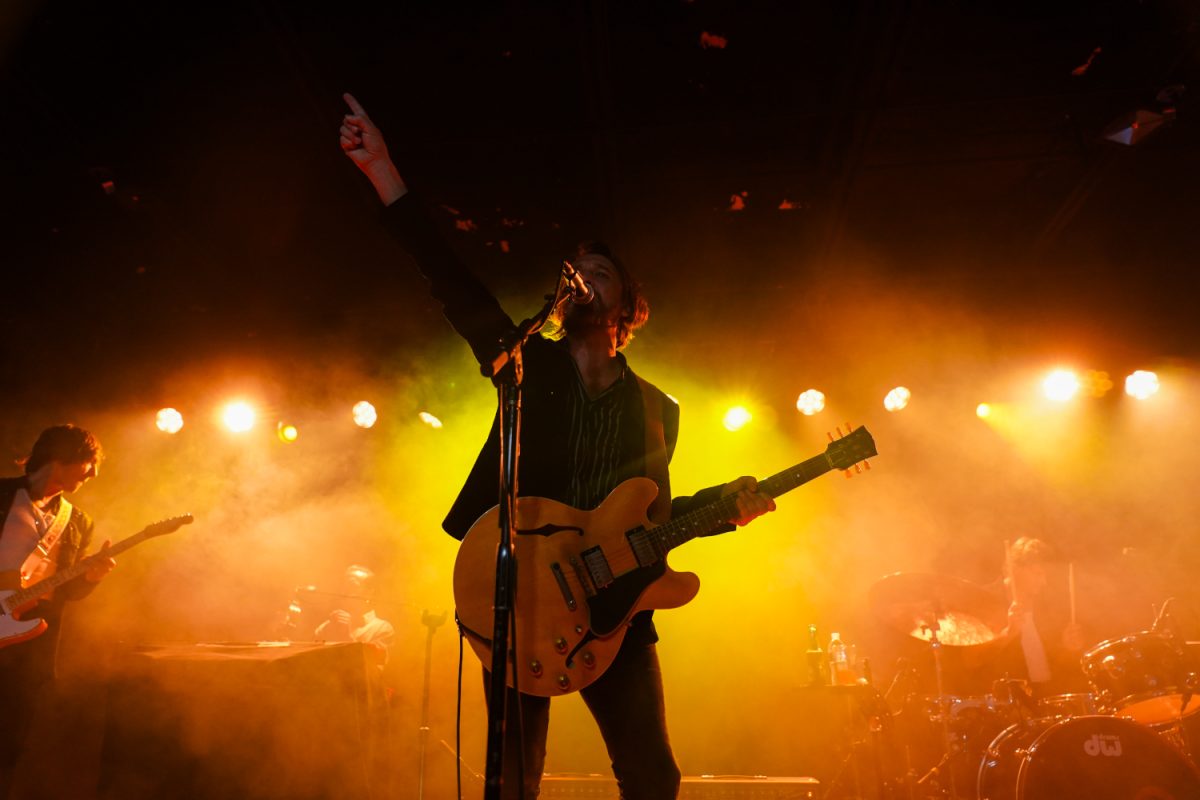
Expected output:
(916, 604)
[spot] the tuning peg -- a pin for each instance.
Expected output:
(830, 435)
(839, 432)
(848, 473)
(866, 465)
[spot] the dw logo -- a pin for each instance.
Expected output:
(1099, 745)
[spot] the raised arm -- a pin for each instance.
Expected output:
(467, 303)
(363, 142)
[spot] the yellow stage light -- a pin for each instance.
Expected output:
(430, 419)
(1061, 385)
(287, 432)
(168, 420)
(897, 399)
(1141, 384)
(736, 418)
(238, 416)
(364, 414)
(810, 402)
(983, 410)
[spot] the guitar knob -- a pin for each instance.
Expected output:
(579, 629)
(535, 667)
(560, 644)
(589, 660)
(564, 682)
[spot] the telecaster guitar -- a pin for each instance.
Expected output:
(581, 575)
(14, 600)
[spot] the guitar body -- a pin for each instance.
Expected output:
(13, 629)
(578, 584)
(581, 575)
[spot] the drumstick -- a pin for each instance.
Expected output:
(1071, 587)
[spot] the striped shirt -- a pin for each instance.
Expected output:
(592, 449)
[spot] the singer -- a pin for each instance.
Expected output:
(589, 423)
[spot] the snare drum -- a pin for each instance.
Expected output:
(1100, 758)
(1142, 677)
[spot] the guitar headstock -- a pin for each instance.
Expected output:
(845, 453)
(166, 526)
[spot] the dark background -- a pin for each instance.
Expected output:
(948, 142)
(815, 194)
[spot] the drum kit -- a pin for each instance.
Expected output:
(1124, 739)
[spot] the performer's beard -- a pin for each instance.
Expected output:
(579, 318)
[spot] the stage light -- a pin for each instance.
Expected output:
(287, 432)
(168, 420)
(430, 419)
(897, 399)
(736, 418)
(238, 416)
(1141, 384)
(1061, 385)
(983, 410)
(364, 414)
(810, 402)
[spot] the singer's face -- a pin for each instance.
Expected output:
(606, 282)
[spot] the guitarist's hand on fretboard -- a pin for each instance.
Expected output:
(751, 502)
(102, 566)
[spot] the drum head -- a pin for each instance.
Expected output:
(1105, 758)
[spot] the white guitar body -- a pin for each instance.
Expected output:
(13, 629)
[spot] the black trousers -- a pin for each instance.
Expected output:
(24, 674)
(627, 704)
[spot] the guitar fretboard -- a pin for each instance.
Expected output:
(46, 585)
(664, 538)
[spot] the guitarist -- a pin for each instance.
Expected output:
(590, 423)
(40, 531)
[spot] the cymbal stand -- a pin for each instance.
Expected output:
(949, 750)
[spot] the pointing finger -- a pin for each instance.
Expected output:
(355, 106)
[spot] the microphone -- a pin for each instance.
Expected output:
(582, 292)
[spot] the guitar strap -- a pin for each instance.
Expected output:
(39, 562)
(656, 453)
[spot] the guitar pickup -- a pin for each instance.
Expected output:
(641, 542)
(561, 580)
(597, 567)
(582, 576)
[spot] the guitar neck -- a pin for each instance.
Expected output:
(46, 585)
(704, 520)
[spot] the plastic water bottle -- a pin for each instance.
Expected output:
(840, 671)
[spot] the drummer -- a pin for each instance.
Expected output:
(1040, 644)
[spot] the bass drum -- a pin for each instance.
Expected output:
(1100, 758)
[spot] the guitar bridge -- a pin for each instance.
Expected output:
(561, 580)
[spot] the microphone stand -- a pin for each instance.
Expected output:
(505, 370)
(432, 622)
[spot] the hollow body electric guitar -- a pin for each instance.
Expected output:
(582, 575)
(14, 600)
